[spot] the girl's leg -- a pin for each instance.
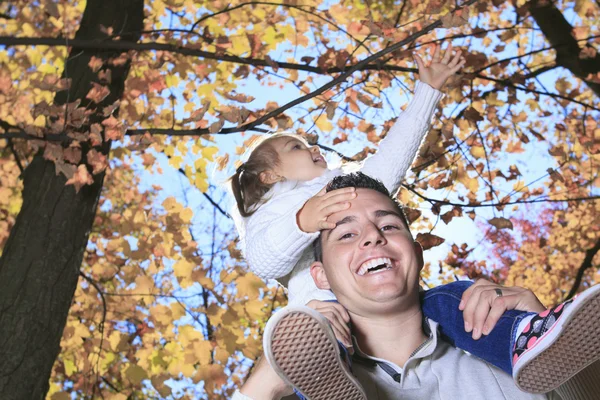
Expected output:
(441, 305)
(541, 351)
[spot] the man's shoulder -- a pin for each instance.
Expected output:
(473, 371)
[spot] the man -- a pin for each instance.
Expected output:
(398, 354)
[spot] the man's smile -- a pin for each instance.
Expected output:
(375, 265)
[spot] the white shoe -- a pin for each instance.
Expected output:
(301, 347)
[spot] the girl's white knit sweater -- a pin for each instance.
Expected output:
(272, 242)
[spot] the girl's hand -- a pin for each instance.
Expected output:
(440, 68)
(338, 318)
(313, 215)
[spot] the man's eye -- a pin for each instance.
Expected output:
(388, 227)
(346, 236)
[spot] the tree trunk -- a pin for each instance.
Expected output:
(39, 267)
(559, 32)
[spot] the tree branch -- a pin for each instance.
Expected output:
(499, 204)
(101, 326)
(268, 3)
(586, 264)
(15, 155)
(145, 46)
(558, 31)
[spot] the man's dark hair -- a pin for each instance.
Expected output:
(360, 181)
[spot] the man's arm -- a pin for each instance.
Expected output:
(263, 384)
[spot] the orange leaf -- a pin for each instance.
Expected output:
(80, 178)
(428, 240)
(501, 223)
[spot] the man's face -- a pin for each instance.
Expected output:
(369, 258)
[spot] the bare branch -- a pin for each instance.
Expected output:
(101, 326)
(498, 204)
(145, 46)
(268, 3)
(585, 265)
(15, 155)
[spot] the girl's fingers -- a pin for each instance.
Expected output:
(457, 57)
(436, 54)
(447, 54)
(419, 61)
(340, 329)
(338, 192)
(456, 68)
(325, 225)
(342, 315)
(332, 209)
(338, 198)
(344, 190)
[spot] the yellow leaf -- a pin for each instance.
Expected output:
(183, 271)
(254, 309)
(47, 69)
(209, 152)
(188, 334)
(70, 367)
(61, 396)
(176, 161)
(171, 80)
(323, 124)
(472, 184)
(118, 341)
(252, 347)
(162, 314)
(201, 183)
(493, 100)
(249, 285)
(144, 284)
(203, 351)
(177, 310)
(478, 151)
(159, 384)
(136, 374)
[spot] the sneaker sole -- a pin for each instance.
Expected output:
(302, 349)
(576, 346)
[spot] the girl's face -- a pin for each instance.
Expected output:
(297, 161)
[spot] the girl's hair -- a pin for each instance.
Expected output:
(246, 185)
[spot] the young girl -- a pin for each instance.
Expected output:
(282, 206)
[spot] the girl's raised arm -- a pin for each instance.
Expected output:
(398, 149)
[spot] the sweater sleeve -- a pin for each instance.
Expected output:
(274, 242)
(237, 395)
(398, 149)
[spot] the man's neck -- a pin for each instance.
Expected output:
(390, 337)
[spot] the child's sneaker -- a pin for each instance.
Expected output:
(302, 348)
(558, 343)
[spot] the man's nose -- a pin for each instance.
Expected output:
(373, 237)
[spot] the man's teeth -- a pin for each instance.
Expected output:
(374, 265)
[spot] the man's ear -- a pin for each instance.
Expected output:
(419, 253)
(318, 274)
(269, 177)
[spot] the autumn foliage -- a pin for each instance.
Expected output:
(506, 183)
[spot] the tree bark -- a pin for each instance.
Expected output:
(39, 267)
(559, 32)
